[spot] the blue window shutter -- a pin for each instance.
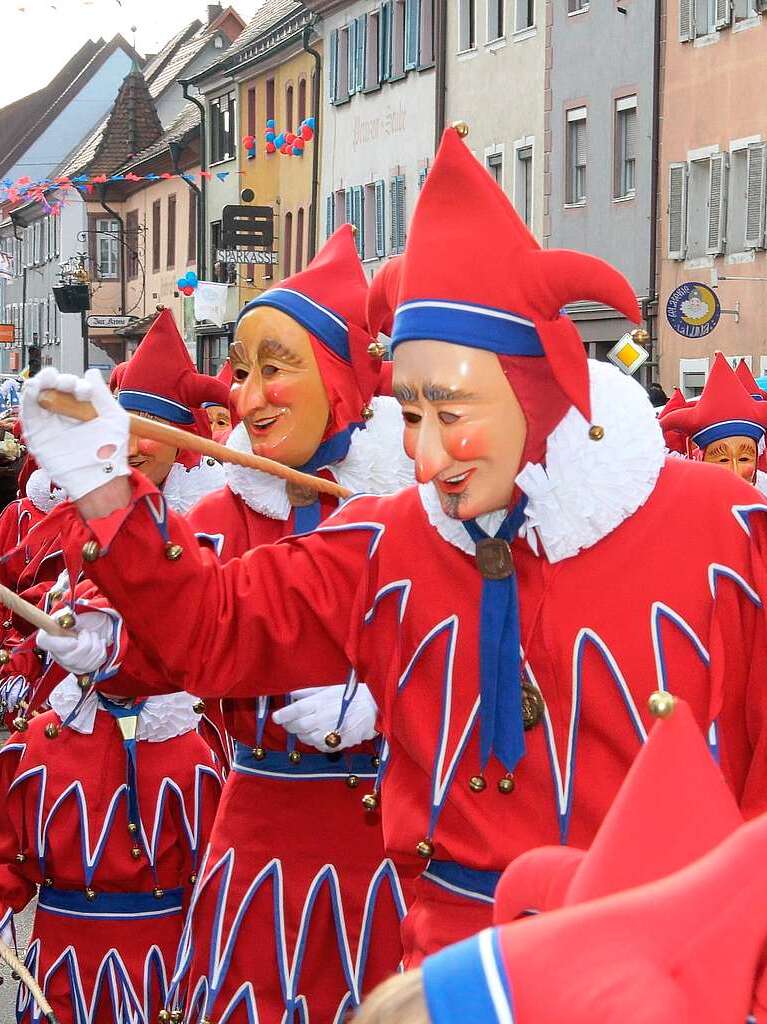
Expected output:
(333, 65)
(358, 217)
(412, 19)
(384, 42)
(362, 25)
(399, 185)
(351, 53)
(422, 177)
(349, 219)
(380, 218)
(329, 210)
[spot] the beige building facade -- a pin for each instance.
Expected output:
(713, 166)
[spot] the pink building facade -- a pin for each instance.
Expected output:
(713, 169)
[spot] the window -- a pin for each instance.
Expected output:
(301, 101)
(374, 220)
(746, 196)
(223, 273)
(373, 51)
(223, 128)
(171, 242)
(252, 110)
(467, 38)
(339, 65)
(743, 9)
(576, 157)
(692, 376)
(131, 244)
(706, 199)
(191, 238)
(494, 164)
(107, 248)
(156, 220)
(340, 213)
(358, 218)
(702, 17)
(300, 240)
(289, 108)
(523, 184)
(575, 6)
(524, 15)
(398, 215)
(270, 99)
(624, 174)
(287, 245)
(495, 25)
(398, 39)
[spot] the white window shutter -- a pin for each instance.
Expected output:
(723, 11)
(686, 22)
(756, 166)
(351, 55)
(333, 75)
(717, 203)
(380, 218)
(329, 211)
(677, 211)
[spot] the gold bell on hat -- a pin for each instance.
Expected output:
(333, 740)
(661, 704)
(461, 128)
(376, 349)
(596, 432)
(370, 801)
(51, 731)
(425, 849)
(198, 707)
(173, 551)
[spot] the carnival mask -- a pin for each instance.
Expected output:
(464, 427)
(153, 458)
(736, 453)
(219, 418)
(277, 386)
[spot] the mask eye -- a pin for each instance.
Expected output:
(446, 418)
(240, 374)
(411, 418)
(269, 370)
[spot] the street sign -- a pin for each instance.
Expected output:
(247, 256)
(7, 334)
(693, 309)
(627, 355)
(115, 322)
(247, 225)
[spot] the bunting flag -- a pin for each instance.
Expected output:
(25, 188)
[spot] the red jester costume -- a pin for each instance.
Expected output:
(296, 869)
(513, 612)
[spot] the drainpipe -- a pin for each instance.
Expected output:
(203, 191)
(118, 218)
(175, 148)
(652, 293)
(440, 78)
(20, 238)
(316, 148)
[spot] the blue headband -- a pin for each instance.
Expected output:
(155, 405)
(728, 428)
(466, 324)
(320, 321)
(468, 982)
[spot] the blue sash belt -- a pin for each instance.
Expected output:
(277, 764)
(110, 905)
(463, 881)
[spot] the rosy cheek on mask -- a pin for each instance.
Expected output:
(470, 442)
(280, 394)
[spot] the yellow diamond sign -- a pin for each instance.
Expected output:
(627, 355)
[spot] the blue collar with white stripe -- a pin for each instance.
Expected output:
(465, 323)
(320, 321)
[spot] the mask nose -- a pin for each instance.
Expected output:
(250, 396)
(430, 455)
(133, 448)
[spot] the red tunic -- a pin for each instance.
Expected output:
(311, 905)
(111, 902)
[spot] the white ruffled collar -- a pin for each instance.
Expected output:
(376, 463)
(183, 487)
(161, 718)
(40, 494)
(587, 488)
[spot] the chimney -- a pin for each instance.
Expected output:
(214, 11)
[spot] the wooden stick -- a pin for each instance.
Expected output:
(153, 430)
(31, 613)
(10, 958)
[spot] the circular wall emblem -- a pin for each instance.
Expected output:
(693, 309)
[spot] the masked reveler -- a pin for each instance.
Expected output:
(726, 424)
(513, 613)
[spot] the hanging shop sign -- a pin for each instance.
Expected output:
(693, 309)
(246, 256)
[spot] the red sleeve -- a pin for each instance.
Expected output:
(15, 889)
(279, 617)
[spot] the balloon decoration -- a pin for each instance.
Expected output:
(287, 143)
(188, 283)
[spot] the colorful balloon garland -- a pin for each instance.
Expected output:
(188, 283)
(287, 143)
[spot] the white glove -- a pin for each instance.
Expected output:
(86, 650)
(79, 456)
(315, 711)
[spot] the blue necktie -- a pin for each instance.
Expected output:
(501, 728)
